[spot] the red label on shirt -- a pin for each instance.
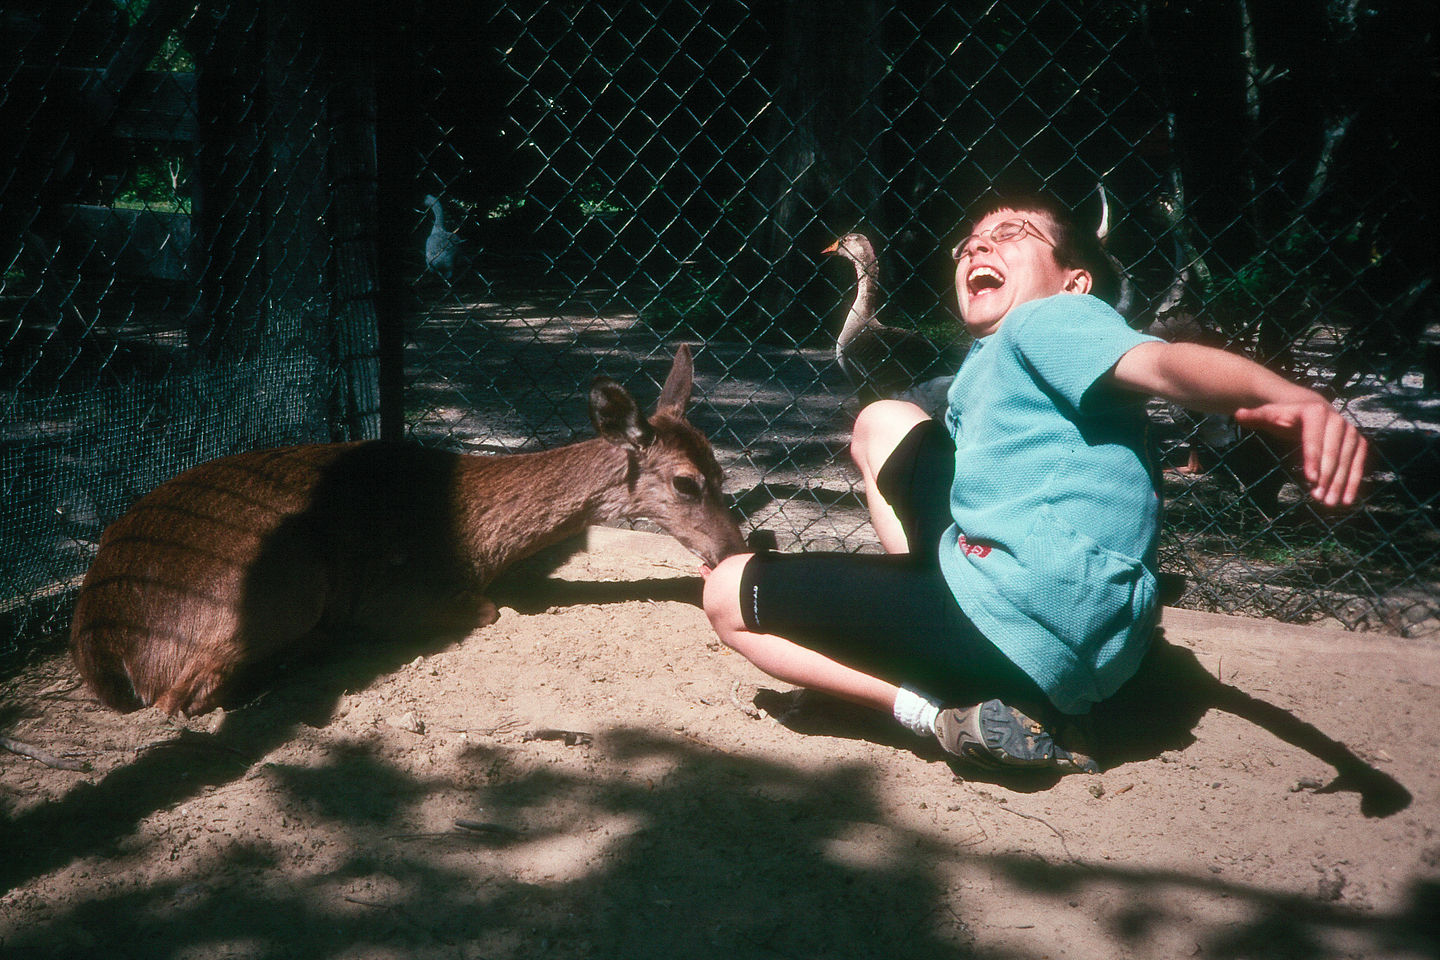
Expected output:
(971, 549)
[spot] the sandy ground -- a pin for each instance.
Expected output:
(594, 776)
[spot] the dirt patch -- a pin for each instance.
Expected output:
(595, 776)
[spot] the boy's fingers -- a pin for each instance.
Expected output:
(1314, 435)
(1342, 465)
(1332, 453)
(1332, 450)
(1354, 455)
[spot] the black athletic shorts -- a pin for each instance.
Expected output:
(891, 615)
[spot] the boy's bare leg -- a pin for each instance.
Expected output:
(987, 734)
(878, 431)
(779, 657)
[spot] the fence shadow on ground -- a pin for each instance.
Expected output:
(94, 816)
(728, 856)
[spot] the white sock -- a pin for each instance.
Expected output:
(916, 711)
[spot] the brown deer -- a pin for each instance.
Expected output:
(220, 572)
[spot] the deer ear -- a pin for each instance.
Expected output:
(676, 395)
(616, 416)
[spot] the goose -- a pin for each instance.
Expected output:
(883, 361)
(441, 246)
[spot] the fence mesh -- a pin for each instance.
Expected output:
(228, 226)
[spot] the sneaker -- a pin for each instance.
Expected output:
(993, 735)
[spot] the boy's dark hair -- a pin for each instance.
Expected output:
(1076, 247)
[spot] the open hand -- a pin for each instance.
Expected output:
(1332, 449)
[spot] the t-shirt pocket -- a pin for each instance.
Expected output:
(1087, 596)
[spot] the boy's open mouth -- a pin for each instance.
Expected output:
(981, 280)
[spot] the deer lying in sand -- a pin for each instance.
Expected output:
(217, 574)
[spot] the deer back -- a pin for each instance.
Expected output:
(253, 557)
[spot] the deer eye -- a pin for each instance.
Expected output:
(687, 488)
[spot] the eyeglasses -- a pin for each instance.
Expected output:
(1002, 232)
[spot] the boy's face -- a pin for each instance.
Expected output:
(993, 277)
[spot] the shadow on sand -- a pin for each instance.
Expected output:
(1157, 711)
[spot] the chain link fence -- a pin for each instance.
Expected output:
(224, 227)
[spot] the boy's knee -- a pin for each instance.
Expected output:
(868, 424)
(721, 597)
(879, 428)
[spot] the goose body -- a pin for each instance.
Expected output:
(882, 361)
(441, 246)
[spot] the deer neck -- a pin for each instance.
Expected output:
(518, 504)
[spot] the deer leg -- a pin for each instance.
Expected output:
(465, 612)
(1192, 466)
(282, 599)
(201, 684)
(486, 612)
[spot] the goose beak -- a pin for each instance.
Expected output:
(833, 248)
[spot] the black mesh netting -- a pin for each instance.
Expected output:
(224, 227)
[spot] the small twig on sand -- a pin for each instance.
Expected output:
(494, 829)
(198, 742)
(1046, 823)
(464, 828)
(58, 691)
(747, 709)
(705, 743)
(570, 738)
(35, 753)
(369, 903)
(1027, 816)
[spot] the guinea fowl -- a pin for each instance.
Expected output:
(1255, 461)
(1176, 322)
(883, 361)
(441, 246)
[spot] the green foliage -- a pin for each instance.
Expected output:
(596, 200)
(155, 182)
(508, 206)
(172, 56)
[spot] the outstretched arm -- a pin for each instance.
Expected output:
(1214, 381)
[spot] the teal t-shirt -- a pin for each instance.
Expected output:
(1056, 508)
